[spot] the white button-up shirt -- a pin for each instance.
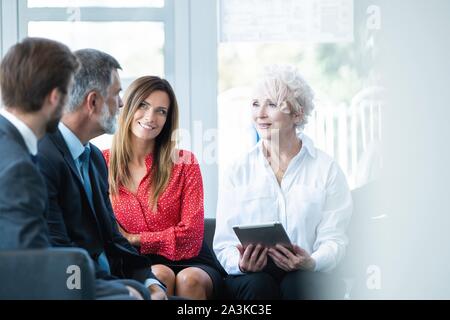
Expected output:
(313, 203)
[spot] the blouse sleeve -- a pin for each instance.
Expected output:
(227, 215)
(331, 240)
(184, 240)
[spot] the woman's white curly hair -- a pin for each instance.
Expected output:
(285, 86)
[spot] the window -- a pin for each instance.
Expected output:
(136, 55)
(137, 33)
(346, 121)
(178, 40)
(95, 3)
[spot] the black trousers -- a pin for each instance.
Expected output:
(273, 284)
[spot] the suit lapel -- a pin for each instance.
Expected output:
(97, 199)
(62, 146)
(95, 185)
(60, 143)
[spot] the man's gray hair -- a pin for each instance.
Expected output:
(94, 74)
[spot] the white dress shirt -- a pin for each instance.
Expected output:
(31, 141)
(313, 203)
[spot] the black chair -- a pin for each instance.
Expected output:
(54, 273)
(210, 228)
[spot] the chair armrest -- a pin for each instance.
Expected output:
(210, 228)
(53, 273)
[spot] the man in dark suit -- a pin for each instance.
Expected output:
(80, 211)
(35, 76)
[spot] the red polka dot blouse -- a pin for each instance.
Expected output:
(175, 229)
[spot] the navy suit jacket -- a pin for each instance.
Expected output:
(74, 222)
(22, 194)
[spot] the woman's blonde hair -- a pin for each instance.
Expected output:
(165, 143)
(284, 83)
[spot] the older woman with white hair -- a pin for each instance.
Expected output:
(284, 178)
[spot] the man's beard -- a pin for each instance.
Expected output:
(52, 124)
(108, 121)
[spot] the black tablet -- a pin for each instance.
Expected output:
(267, 234)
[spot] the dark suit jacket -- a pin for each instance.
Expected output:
(22, 194)
(74, 222)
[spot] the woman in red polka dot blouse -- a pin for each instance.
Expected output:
(157, 191)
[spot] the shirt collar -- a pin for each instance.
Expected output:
(74, 144)
(308, 144)
(27, 134)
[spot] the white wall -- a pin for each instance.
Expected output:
(415, 64)
(9, 28)
(196, 84)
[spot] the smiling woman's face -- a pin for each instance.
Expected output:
(269, 117)
(151, 115)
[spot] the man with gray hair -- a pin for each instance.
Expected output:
(80, 211)
(99, 81)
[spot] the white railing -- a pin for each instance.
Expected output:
(351, 134)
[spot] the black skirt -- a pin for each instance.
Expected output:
(206, 260)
